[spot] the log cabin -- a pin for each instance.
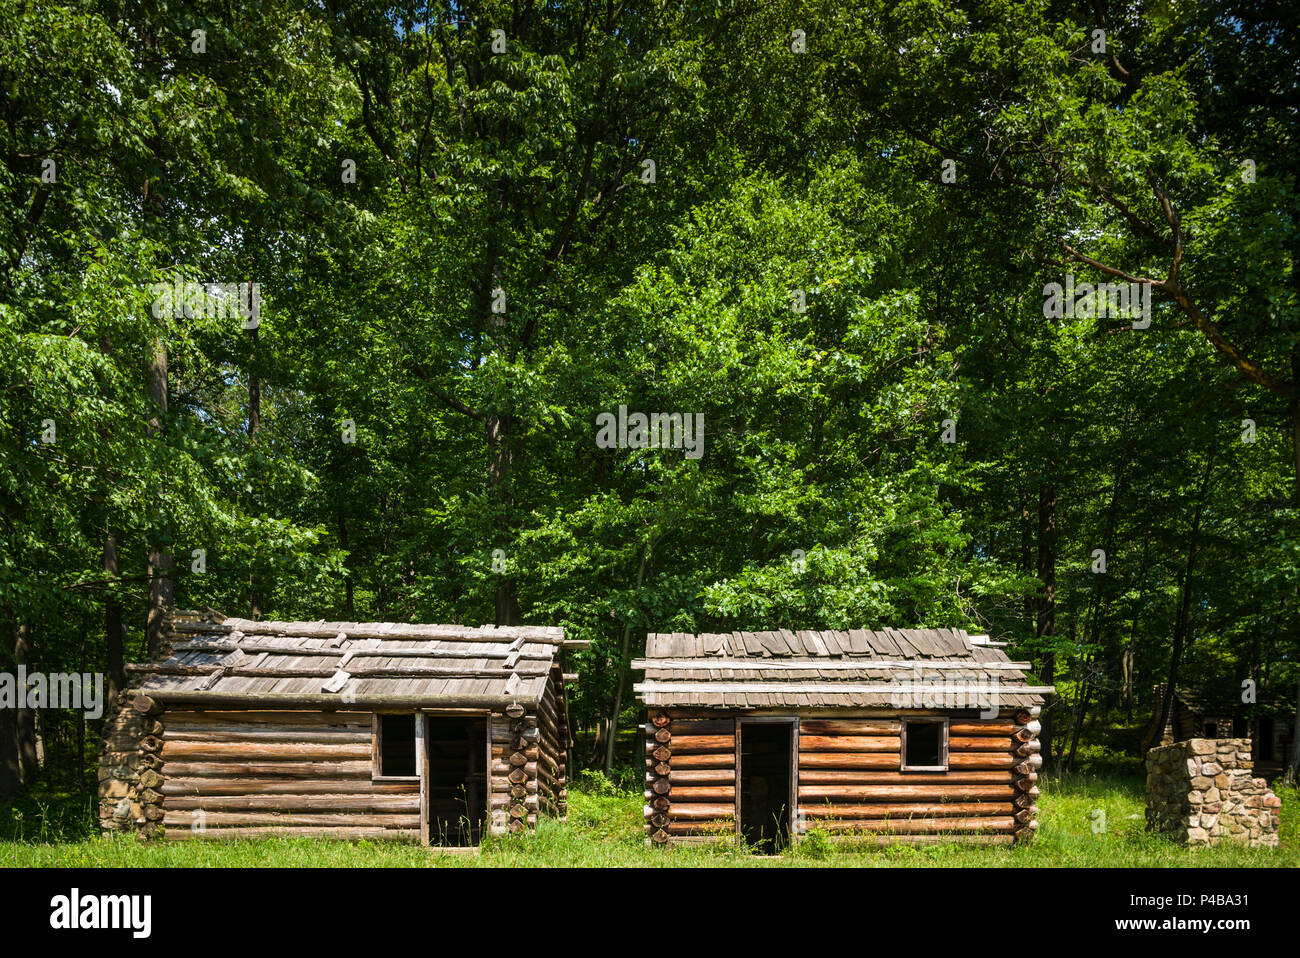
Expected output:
(912, 735)
(1209, 712)
(423, 733)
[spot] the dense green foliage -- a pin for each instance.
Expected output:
(836, 257)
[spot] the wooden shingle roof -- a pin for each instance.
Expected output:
(351, 664)
(857, 668)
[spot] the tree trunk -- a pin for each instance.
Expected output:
(1130, 659)
(162, 588)
(1183, 615)
(10, 772)
(80, 763)
(254, 424)
(25, 718)
(113, 638)
(348, 586)
(500, 473)
(1045, 623)
(1292, 775)
(1080, 711)
(622, 668)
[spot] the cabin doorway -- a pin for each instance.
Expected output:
(456, 779)
(1264, 739)
(766, 777)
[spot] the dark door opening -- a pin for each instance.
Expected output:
(456, 753)
(765, 759)
(1265, 742)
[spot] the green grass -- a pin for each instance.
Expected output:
(604, 830)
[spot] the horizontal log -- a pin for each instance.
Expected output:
(849, 743)
(989, 727)
(848, 727)
(695, 744)
(183, 750)
(299, 802)
(814, 776)
(979, 743)
(290, 734)
(719, 829)
(177, 719)
(702, 793)
(984, 760)
(863, 794)
(907, 810)
(949, 838)
(281, 786)
(699, 811)
(893, 826)
(705, 760)
(287, 769)
(272, 831)
(186, 818)
(725, 727)
(702, 776)
(394, 701)
(847, 760)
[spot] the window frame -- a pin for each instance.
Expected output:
(377, 747)
(942, 722)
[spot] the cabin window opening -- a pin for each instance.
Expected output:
(396, 751)
(925, 745)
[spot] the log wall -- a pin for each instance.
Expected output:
(690, 777)
(848, 779)
(513, 776)
(252, 774)
(552, 765)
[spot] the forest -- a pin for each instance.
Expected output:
(632, 316)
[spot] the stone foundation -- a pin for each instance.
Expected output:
(1202, 792)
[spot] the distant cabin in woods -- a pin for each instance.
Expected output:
(1198, 713)
(876, 736)
(429, 733)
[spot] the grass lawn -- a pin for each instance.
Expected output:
(604, 830)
